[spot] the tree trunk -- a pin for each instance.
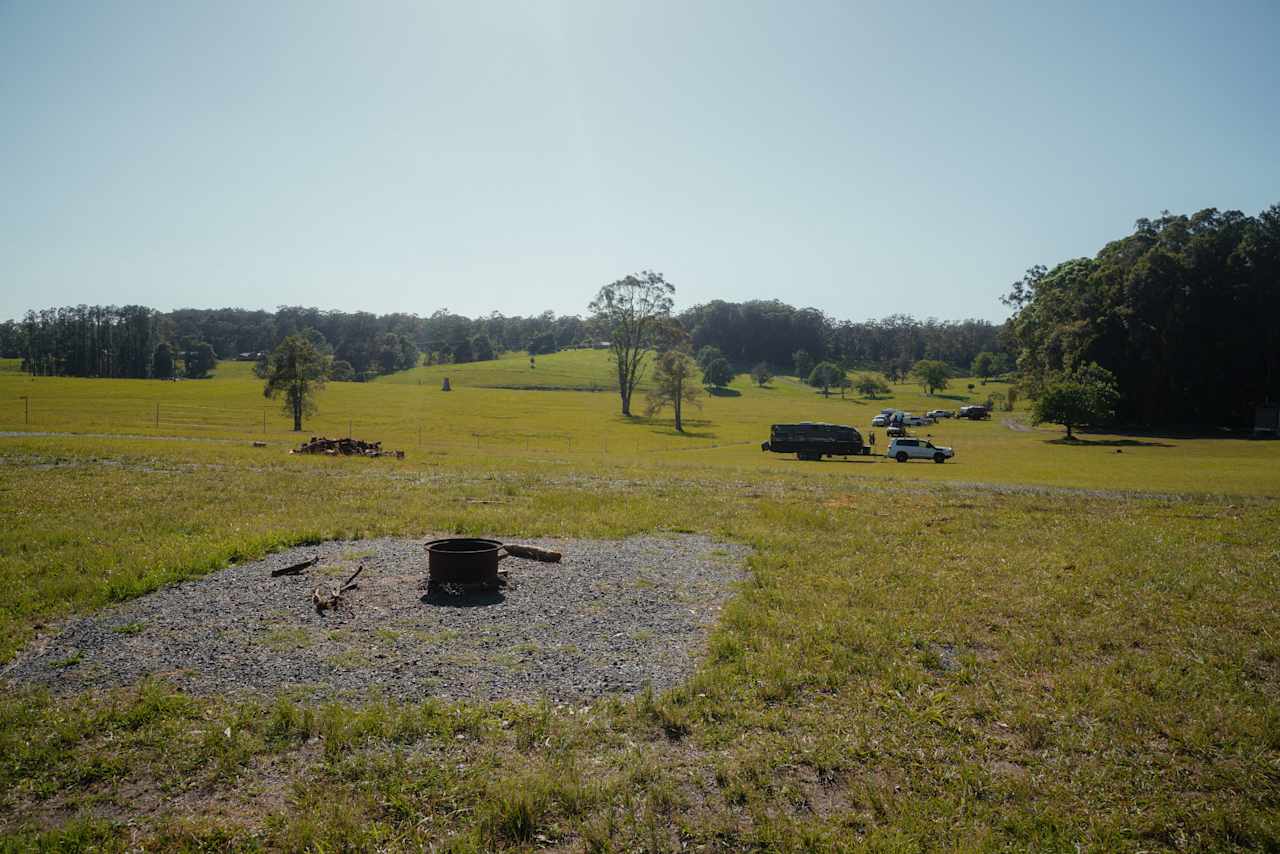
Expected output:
(679, 423)
(297, 415)
(1069, 436)
(626, 403)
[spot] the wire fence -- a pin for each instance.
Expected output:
(123, 417)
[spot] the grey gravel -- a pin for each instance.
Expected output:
(612, 617)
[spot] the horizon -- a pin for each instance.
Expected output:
(860, 160)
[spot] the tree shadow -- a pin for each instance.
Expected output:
(723, 392)
(687, 434)
(1106, 443)
(858, 461)
(953, 396)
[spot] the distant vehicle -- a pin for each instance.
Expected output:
(885, 418)
(916, 421)
(813, 440)
(903, 449)
(935, 414)
(975, 412)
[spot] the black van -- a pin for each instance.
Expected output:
(814, 440)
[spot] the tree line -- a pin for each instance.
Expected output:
(140, 342)
(1177, 323)
(773, 332)
(123, 341)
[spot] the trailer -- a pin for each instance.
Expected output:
(812, 440)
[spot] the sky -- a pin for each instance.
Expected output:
(863, 159)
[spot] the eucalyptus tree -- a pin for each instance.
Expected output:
(632, 312)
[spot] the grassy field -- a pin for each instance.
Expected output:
(1034, 647)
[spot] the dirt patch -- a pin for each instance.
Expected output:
(613, 617)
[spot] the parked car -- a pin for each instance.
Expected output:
(975, 412)
(888, 418)
(935, 414)
(905, 448)
(917, 421)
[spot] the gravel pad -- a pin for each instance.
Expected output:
(610, 618)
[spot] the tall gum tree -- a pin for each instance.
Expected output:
(674, 385)
(295, 370)
(632, 312)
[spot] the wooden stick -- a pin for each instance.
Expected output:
(296, 568)
(351, 582)
(534, 553)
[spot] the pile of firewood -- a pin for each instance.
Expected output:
(345, 448)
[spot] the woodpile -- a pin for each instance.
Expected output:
(344, 448)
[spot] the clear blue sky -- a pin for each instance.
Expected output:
(860, 158)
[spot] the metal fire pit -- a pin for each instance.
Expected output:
(459, 564)
(464, 562)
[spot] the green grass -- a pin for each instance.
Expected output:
(479, 424)
(1036, 647)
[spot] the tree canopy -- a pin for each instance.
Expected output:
(825, 375)
(162, 362)
(631, 312)
(717, 373)
(1084, 397)
(932, 375)
(294, 372)
(674, 386)
(1183, 312)
(869, 386)
(804, 362)
(199, 360)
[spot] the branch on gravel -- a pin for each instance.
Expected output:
(330, 599)
(296, 568)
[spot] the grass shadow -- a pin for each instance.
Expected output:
(723, 392)
(687, 434)
(874, 458)
(1106, 443)
(953, 396)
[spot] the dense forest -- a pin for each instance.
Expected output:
(772, 332)
(122, 342)
(1184, 312)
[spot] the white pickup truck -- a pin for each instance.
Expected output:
(903, 449)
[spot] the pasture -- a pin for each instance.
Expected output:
(1034, 646)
